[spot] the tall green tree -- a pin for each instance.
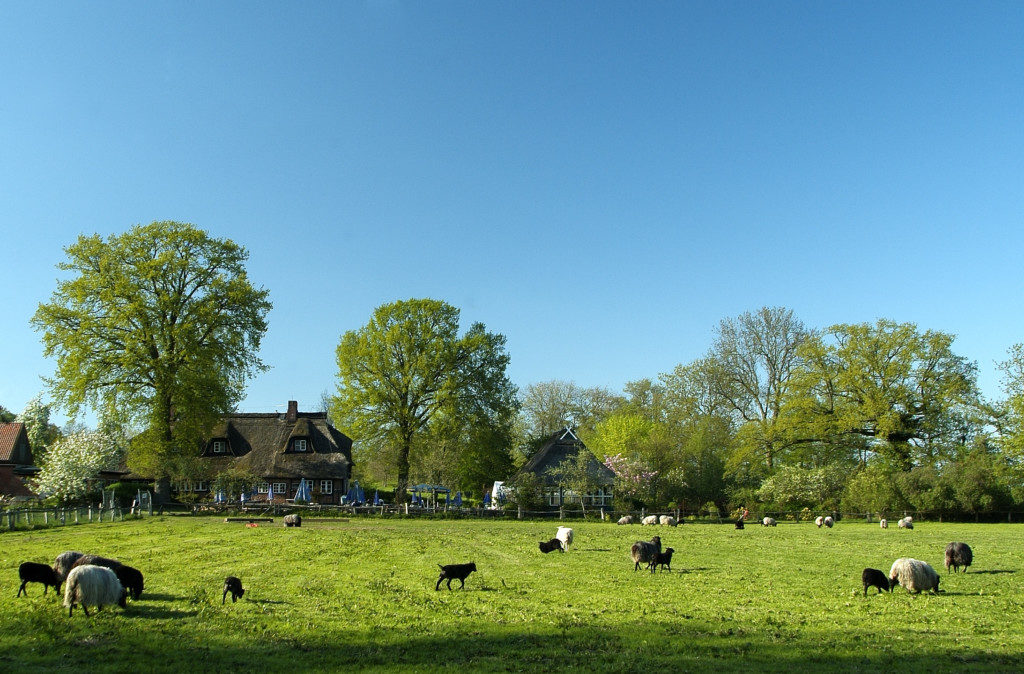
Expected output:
(408, 369)
(157, 328)
(41, 433)
(904, 391)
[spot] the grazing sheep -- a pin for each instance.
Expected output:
(34, 572)
(96, 585)
(739, 524)
(131, 578)
(667, 521)
(768, 522)
(453, 572)
(293, 520)
(957, 555)
(65, 561)
(829, 521)
(874, 578)
(626, 519)
(905, 523)
(234, 586)
(883, 523)
(96, 560)
(663, 559)
(644, 551)
(564, 534)
(650, 519)
(914, 575)
(549, 546)
(818, 521)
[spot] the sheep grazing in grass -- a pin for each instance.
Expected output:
(293, 520)
(550, 546)
(768, 522)
(663, 559)
(65, 560)
(667, 521)
(131, 578)
(818, 521)
(829, 522)
(739, 524)
(626, 519)
(644, 551)
(564, 534)
(455, 572)
(874, 578)
(93, 585)
(905, 523)
(913, 575)
(34, 572)
(883, 523)
(650, 519)
(234, 586)
(958, 554)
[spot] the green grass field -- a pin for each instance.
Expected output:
(360, 595)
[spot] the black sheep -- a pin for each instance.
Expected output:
(234, 586)
(739, 524)
(549, 546)
(131, 578)
(34, 572)
(957, 555)
(663, 559)
(644, 551)
(874, 578)
(293, 520)
(455, 572)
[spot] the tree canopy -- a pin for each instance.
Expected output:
(157, 327)
(407, 375)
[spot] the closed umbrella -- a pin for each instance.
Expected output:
(302, 493)
(458, 499)
(270, 492)
(376, 498)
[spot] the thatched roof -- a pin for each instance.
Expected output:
(561, 447)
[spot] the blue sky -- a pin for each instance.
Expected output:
(600, 182)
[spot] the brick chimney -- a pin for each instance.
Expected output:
(293, 411)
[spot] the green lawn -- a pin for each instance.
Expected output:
(360, 595)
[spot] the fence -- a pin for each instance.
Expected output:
(31, 518)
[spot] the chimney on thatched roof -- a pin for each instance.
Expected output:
(293, 411)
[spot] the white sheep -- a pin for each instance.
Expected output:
(906, 523)
(914, 575)
(626, 519)
(96, 585)
(650, 519)
(829, 521)
(818, 521)
(667, 521)
(768, 522)
(883, 523)
(564, 534)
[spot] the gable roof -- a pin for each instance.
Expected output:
(10, 434)
(563, 446)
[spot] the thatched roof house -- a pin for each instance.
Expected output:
(16, 461)
(282, 450)
(556, 455)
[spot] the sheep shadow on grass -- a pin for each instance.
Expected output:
(144, 612)
(976, 573)
(158, 596)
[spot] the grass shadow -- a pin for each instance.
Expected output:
(157, 612)
(990, 571)
(158, 596)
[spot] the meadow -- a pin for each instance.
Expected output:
(359, 595)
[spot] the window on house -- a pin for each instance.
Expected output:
(261, 488)
(219, 446)
(201, 486)
(280, 487)
(300, 445)
(326, 486)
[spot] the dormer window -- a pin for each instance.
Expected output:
(300, 445)
(219, 447)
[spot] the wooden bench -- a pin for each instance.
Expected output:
(248, 519)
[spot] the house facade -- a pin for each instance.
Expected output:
(563, 448)
(16, 461)
(281, 450)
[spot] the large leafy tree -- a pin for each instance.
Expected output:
(158, 328)
(408, 372)
(904, 392)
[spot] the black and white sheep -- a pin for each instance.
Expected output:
(34, 572)
(913, 575)
(65, 560)
(644, 551)
(234, 586)
(626, 519)
(829, 521)
(905, 523)
(958, 554)
(874, 578)
(663, 559)
(768, 522)
(564, 534)
(130, 577)
(550, 546)
(293, 520)
(818, 521)
(93, 585)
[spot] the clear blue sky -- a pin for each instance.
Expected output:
(600, 182)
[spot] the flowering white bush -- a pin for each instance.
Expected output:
(632, 478)
(73, 461)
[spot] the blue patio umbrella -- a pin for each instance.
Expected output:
(220, 498)
(458, 499)
(360, 495)
(487, 498)
(376, 498)
(415, 499)
(302, 493)
(270, 492)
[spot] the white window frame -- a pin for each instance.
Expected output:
(281, 488)
(300, 444)
(261, 488)
(326, 486)
(201, 486)
(220, 447)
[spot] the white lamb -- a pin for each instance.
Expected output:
(667, 521)
(768, 522)
(564, 534)
(626, 519)
(914, 575)
(650, 519)
(883, 523)
(818, 521)
(96, 585)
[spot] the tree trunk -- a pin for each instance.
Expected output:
(403, 470)
(162, 490)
